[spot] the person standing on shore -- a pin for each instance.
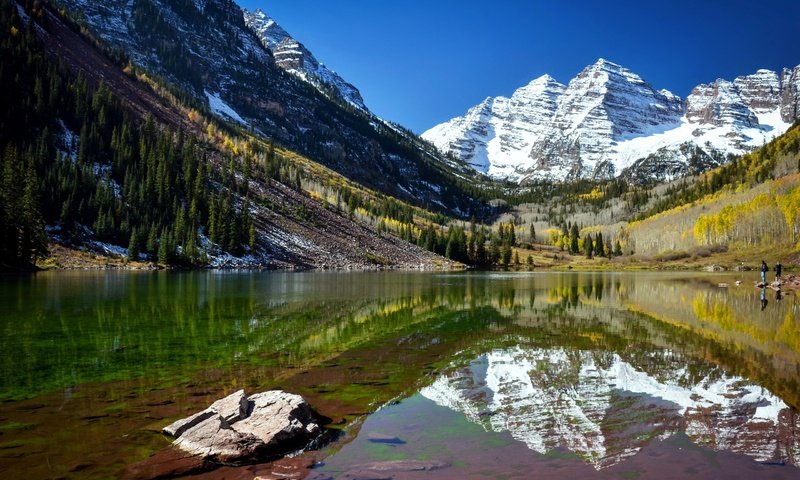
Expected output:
(764, 270)
(778, 271)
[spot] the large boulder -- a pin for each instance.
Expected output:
(238, 429)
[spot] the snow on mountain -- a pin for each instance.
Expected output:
(608, 119)
(605, 409)
(496, 135)
(605, 103)
(295, 58)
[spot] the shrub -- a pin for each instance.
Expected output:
(671, 255)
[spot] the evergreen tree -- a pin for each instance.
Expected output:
(599, 245)
(494, 250)
(451, 248)
(34, 238)
(506, 254)
(152, 241)
(573, 245)
(481, 256)
(588, 246)
(133, 245)
(251, 238)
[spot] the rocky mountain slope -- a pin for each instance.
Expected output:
(295, 58)
(206, 48)
(608, 120)
(290, 227)
(605, 409)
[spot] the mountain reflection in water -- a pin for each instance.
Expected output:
(605, 407)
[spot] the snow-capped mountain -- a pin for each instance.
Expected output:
(496, 135)
(605, 409)
(295, 58)
(608, 119)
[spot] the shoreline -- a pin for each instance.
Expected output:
(562, 268)
(64, 258)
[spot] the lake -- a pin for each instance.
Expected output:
(422, 375)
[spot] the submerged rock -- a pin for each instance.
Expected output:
(238, 429)
(392, 469)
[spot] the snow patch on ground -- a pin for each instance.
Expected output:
(219, 107)
(218, 258)
(108, 249)
(69, 142)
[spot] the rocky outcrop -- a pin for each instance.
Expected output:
(761, 91)
(294, 57)
(390, 469)
(714, 268)
(608, 119)
(719, 104)
(239, 429)
(790, 94)
(668, 163)
(790, 281)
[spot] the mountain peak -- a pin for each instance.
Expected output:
(538, 85)
(604, 64)
(268, 30)
(604, 71)
(546, 78)
(608, 118)
(295, 58)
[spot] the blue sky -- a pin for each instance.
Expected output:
(420, 63)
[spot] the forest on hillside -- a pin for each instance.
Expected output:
(73, 158)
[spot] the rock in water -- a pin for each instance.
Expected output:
(216, 439)
(278, 418)
(238, 429)
(232, 408)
